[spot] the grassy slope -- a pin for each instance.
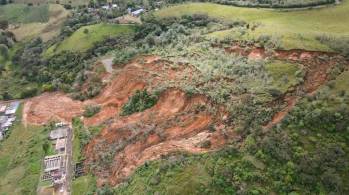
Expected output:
(84, 185)
(283, 74)
(20, 159)
(298, 29)
(72, 2)
(47, 30)
(80, 41)
(206, 174)
(21, 13)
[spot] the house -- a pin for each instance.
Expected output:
(59, 133)
(137, 13)
(2, 108)
(53, 168)
(105, 7)
(54, 162)
(12, 108)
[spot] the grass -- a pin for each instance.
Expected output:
(71, 2)
(21, 13)
(85, 37)
(84, 185)
(342, 83)
(46, 30)
(21, 155)
(76, 141)
(283, 74)
(296, 29)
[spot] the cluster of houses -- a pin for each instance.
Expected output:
(55, 165)
(7, 117)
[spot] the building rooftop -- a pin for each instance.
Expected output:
(12, 108)
(2, 108)
(58, 133)
(60, 144)
(53, 162)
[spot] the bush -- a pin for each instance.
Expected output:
(139, 102)
(29, 92)
(91, 110)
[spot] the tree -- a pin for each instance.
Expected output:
(4, 50)
(3, 2)
(3, 24)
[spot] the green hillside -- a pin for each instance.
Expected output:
(297, 29)
(85, 37)
(22, 13)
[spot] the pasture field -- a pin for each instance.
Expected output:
(21, 13)
(84, 185)
(21, 155)
(47, 30)
(296, 29)
(85, 37)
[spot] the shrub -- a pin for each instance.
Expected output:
(91, 110)
(139, 102)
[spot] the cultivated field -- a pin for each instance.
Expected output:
(297, 29)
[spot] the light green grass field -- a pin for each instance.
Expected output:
(342, 82)
(283, 74)
(84, 185)
(21, 13)
(80, 41)
(297, 29)
(21, 155)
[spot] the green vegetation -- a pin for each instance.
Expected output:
(91, 110)
(21, 155)
(85, 37)
(139, 102)
(284, 75)
(297, 29)
(306, 154)
(22, 13)
(275, 4)
(84, 185)
(82, 136)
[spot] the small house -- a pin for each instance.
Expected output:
(12, 108)
(137, 13)
(2, 108)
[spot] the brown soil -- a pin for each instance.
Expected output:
(176, 123)
(173, 124)
(51, 106)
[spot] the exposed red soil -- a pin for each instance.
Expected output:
(51, 106)
(175, 123)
